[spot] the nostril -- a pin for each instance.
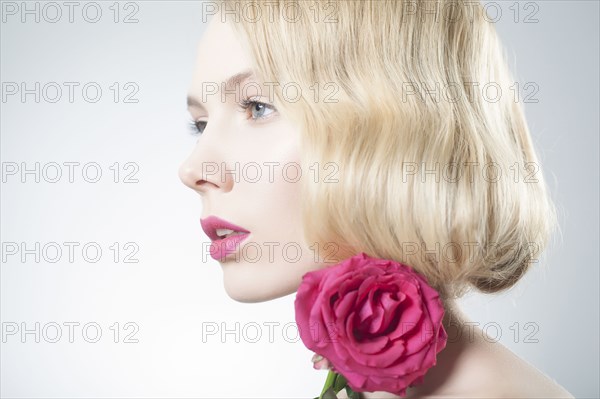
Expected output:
(196, 179)
(206, 184)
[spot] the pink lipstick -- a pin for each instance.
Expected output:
(226, 237)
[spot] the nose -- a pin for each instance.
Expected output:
(205, 175)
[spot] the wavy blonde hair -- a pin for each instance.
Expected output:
(408, 97)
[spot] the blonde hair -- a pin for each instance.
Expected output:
(388, 129)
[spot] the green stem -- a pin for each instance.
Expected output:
(328, 382)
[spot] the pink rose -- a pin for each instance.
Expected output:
(377, 321)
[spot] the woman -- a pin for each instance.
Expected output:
(384, 127)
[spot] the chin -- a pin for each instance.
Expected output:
(244, 297)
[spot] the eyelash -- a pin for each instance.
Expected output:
(244, 105)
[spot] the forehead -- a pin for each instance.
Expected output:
(219, 54)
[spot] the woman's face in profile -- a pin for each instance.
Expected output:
(246, 168)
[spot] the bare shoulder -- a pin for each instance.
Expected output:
(476, 367)
(502, 374)
(489, 370)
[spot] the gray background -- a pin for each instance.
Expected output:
(170, 294)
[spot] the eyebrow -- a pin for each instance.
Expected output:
(229, 83)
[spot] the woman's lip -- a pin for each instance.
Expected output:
(210, 225)
(221, 248)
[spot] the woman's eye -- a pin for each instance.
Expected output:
(256, 109)
(197, 127)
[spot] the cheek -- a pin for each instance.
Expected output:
(277, 202)
(274, 200)
(285, 192)
(275, 152)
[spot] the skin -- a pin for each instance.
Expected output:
(268, 208)
(471, 365)
(474, 365)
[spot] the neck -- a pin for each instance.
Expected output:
(462, 339)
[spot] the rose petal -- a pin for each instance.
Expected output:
(371, 346)
(366, 310)
(391, 312)
(345, 305)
